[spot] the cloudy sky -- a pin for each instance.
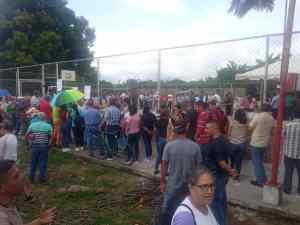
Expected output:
(131, 25)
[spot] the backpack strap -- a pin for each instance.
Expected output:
(191, 211)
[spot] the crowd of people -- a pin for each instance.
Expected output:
(200, 145)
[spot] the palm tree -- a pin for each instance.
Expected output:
(241, 7)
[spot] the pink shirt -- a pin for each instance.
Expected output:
(133, 124)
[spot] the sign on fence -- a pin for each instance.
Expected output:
(59, 84)
(87, 91)
(69, 75)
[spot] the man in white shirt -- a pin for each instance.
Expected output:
(8, 142)
(261, 126)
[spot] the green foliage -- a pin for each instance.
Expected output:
(241, 7)
(39, 31)
(228, 73)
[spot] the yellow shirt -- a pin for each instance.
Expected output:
(261, 126)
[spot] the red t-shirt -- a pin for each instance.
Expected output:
(218, 115)
(46, 108)
(201, 136)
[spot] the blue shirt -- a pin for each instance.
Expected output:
(274, 102)
(113, 116)
(91, 116)
(73, 116)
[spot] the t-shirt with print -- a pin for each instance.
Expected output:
(40, 133)
(182, 155)
(217, 150)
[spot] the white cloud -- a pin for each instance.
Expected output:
(157, 6)
(190, 63)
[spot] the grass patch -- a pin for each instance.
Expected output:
(114, 205)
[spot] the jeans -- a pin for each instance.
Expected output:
(65, 135)
(148, 145)
(236, 156)
(92, 136)
(39, 156)
(172, 199)
(290, 164)
(161, 142)
(133, 146)
(219, 204)
(257, 155)
(113, 133)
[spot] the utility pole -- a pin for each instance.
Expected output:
(283, 74)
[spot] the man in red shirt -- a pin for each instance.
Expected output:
(201, 137)
(216, 114)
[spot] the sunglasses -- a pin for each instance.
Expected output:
(205, 187)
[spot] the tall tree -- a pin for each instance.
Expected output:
(241, 7)
(39, 31)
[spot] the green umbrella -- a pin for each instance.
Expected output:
(66, 97)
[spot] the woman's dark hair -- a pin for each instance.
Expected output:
(7, 125)
(132, 110)
(240, 116)
(197, 173)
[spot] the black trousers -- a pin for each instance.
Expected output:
(78, 135)
(290, 164)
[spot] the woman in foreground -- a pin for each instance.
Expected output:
(195, 210)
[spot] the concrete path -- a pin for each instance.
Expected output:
(242, 194)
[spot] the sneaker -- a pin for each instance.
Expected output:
(77, 149)
(255, 183)
(81, 148)
(66, 150)
(109, 159)
(156, 172)
(129, 163)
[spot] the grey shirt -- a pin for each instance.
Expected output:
(182, 155)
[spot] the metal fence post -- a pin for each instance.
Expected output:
(56, 71)
(158, 78)
(98, 79)
(266, 69)
(18, 82)
(43, 80)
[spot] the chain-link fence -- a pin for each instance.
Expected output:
(169, 70)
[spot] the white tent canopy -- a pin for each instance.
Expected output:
(274, 70)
